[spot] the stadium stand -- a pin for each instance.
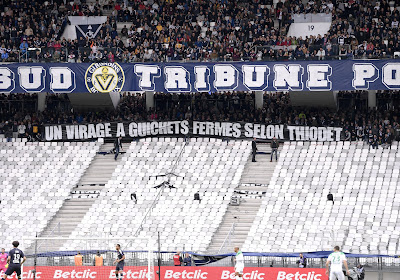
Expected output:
(224, 30)
(203, 195)
(36, 178)
(295, 215)
(202, 168)
(82, 196)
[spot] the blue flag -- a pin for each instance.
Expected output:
(90, 30)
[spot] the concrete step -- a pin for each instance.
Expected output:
(252, 188)
(223, 234)
(96, 175)
(100, 170)
(71, 220)
(89, 187)
(73, 212)
(65, 226)
(255, 167)
(242, 216)
(259, 172)
(238, 228)
(75, 208)
(249, 203)
(236, 239)
(261, 161)
(106, 147)
(253, 183)
(79, 202)
(239, 224)
(67, 229)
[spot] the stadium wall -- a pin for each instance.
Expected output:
(313, 99)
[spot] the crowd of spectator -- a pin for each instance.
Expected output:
(164, 30)
(207, 30)
(24, 22)
(19, 114)
(246, 30)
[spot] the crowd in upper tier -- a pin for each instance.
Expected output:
(165, 30)
(18, 112)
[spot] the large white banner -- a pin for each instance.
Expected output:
(79, 20)
(307, 29)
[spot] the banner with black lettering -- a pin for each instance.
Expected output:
(200, 77)
(231, 130)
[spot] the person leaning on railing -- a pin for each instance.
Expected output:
(302, 261)
(177, 259)
(187, 261)
(360, 272)
(78, 259)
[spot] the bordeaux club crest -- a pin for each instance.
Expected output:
(104, 77)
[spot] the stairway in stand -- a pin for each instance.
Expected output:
(242, 217)
(253, 183)
(81, 198)
(257, 174)
(100, 170)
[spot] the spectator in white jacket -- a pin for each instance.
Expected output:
(321, 54)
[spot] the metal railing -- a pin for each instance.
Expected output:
(228, 239)
(334, 55)
(318, 17)
(11, 105)
(45, 54)
(51, 234)
(51, 54)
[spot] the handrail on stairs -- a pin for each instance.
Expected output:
(51, 233)
(229, 235)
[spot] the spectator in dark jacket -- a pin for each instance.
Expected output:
(360, 272)
(374, 142)
(117, 146)
(187, 261)
(28, 137)
(302, 262)
(347, 135)
(254, 149)
(387, 142)
(274, 148)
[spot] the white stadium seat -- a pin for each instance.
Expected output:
(211, 170)
(35, 180)
(365, 212)
(294, 216)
